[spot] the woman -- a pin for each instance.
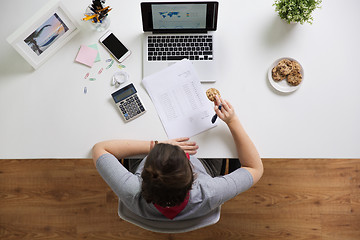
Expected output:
(169, 191)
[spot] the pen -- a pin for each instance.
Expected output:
(88, 17)
(215, 116)
(103, 9)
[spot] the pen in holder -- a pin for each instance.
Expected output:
(97, 15)
(213, 120)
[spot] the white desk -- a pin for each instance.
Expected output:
(45, 114)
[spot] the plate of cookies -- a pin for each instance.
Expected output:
(286, 74)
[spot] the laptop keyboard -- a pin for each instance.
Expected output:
(178, 47)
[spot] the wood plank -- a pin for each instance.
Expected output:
(340, 226)
(308, 186)
(295, 199)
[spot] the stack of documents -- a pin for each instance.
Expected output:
(180, 100)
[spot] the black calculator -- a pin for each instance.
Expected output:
(128, 102)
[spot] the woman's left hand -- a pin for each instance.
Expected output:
(184, 143)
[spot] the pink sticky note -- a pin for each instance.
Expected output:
(86, 55)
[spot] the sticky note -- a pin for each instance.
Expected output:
(94, 46)
(86, 55)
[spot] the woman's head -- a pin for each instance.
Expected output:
(167, 176)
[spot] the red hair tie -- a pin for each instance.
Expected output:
(188, 156)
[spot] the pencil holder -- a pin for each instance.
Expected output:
(97, 25)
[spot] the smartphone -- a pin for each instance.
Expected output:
(114, 46)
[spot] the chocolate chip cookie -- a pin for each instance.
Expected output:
(211, 93)
(294, 78)
(285, 66)
(289, 70)
(277, 75)
(296, 66)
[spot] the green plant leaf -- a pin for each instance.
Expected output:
(296, 10)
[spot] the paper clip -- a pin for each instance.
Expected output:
(111, 63)
(85, 90)
(87, 75)
(100, 71)
(92, 79)
(121, 66)
(109, 60)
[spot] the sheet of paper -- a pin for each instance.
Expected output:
(180, 100)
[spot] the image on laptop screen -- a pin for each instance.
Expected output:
(179, 16)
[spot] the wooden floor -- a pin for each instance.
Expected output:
(295, 199)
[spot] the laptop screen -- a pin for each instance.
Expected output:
(168, 17)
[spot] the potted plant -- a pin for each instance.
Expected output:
(296, 10)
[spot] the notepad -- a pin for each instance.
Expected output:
(94, 46)
(86, 55)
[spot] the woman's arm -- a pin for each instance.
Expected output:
(120, 148)
(126, 148)
(247, 153)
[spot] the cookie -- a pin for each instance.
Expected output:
(289, 70)
(285, 66)
(211, 94)
(294, 78)
(276, 75)
(296, 66)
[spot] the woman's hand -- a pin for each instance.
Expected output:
(184, 144)
(247, 152)
(227, 112)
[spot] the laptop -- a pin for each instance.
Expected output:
(177, 30)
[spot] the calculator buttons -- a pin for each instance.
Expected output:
(131, 107)
(129, 103)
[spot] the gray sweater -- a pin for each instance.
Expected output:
(206, 196)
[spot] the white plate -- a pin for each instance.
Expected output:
(283, 85)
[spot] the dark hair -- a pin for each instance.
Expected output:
(167, 176)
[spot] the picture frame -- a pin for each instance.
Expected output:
(44, 34)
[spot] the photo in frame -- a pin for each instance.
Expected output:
(44, 34)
